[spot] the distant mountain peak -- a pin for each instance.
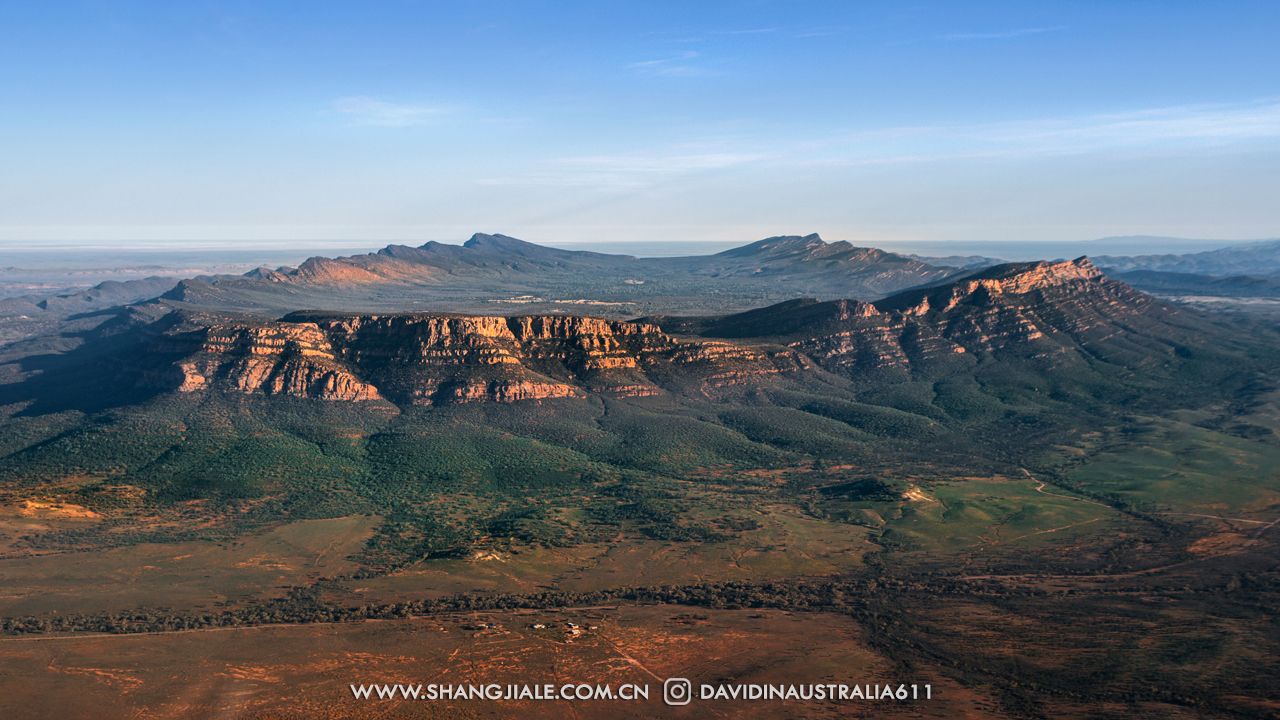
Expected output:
(507, 244)
(499, 241)
(777, 245)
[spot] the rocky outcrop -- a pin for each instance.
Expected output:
(1027, 309)
(421, 339)
(1047, 278)
(590, 344)
(426, 359)
(507, 391)
(436, 359)
(274, 359)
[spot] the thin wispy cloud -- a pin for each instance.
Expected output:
(671, 162)
(629, 171)
(1165, 129)
(518, 120)
(822, 32)
(673, 36)
(1000, 35)
(1199, 123)
(673, 66)
(368, 111)
(755, 31)
(663, 61)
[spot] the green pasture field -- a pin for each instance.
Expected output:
(978, 515)
(973, 515)
(1179, 467)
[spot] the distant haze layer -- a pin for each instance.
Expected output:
(175, 255)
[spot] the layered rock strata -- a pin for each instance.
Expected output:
(437, 359)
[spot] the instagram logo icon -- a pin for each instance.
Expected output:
(677, 691)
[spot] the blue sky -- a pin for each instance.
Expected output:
(296, 122)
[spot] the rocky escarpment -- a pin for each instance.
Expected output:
(1062, 311)
(1023, 309)
(271, 358)
(432, 359)
(1027, 310)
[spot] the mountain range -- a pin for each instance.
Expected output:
(266, 332)
(1052, 319)
(1259, 259)
(491, 271)
(496, 274)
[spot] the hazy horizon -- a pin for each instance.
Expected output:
(1116, 245)
(84, 264)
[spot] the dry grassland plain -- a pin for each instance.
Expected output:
(305, 671)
